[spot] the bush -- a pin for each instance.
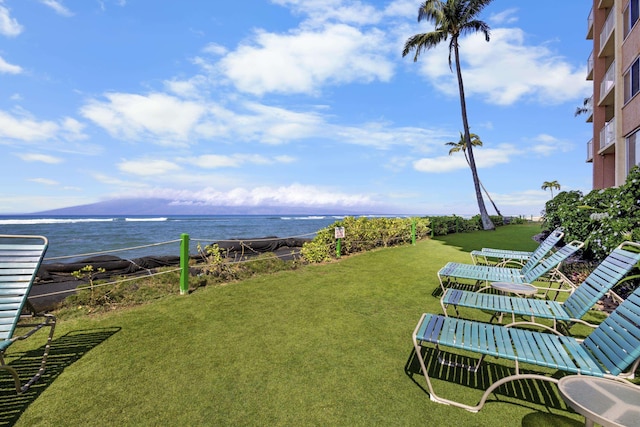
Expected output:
(602, 219)
(363, 234)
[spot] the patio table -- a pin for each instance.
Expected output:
(604, 401)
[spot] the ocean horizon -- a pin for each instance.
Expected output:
(73, 237)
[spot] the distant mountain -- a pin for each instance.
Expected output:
(171, 207)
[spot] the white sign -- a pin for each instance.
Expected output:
(339, 232)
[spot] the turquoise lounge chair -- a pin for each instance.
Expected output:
(612, 350)
(601, 280)
(501, 257)
(20, 258)
(534, 269)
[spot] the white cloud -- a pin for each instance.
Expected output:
(292, 195)
(57, 6)
(506, 70)
(214, 49)
(7, 68)
(215, 161)
(547, 145)
(26, 128)
(484, 158)
(321, 11)
(44, 158)
(44, 181)
(134, 117)
(147, 167)
(302, 61)
(440, 164)
(8, 26)
(507, 16)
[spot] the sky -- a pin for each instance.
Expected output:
(287, 103)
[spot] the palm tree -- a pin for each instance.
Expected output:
(461, 146)
(550, 185)
(586, 107)
(452, 19)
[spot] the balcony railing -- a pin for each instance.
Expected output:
(590, 66)
(605, 34)
(590, 150)
(590, 25)
(608, 134)
(608, 82)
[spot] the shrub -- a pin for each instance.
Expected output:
(602, 219)
(363, 234)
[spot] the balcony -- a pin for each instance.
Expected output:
(606, 36)
(590, 25)
(606, 86)
(605, 4)
(607, 136)
(590, 67)
(590, 151)
(588, 105)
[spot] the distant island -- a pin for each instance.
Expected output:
(142, 206)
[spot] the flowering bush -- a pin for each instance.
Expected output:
(602, 219)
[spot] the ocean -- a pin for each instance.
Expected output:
(73, 237)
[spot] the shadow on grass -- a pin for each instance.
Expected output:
(65, 350)
(524, 393)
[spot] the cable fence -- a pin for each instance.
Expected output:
(100, 274)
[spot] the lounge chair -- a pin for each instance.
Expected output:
(533, 270)
(492, 256)
(20, 258)
(601, 280)
(612, 350)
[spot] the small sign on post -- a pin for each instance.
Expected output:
(339, 233)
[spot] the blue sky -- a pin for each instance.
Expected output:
(286, 102)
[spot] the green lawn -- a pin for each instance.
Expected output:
(323, 345)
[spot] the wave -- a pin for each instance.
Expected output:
(145, 219)
(52, 220)
(310, 217)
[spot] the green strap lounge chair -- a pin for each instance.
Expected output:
(612, 350)
(491, 256)
(601, 281)
(533, 270)
(20, 258)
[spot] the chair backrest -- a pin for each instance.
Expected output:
(608, 273)
(20, 258)
(552, 261)
(543, 249)
(616, 341)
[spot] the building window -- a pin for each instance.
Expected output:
(632, 81)
(633, 150)
(630, 15)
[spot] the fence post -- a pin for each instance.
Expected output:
(184, 264)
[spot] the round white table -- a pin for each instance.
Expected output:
(604, 401)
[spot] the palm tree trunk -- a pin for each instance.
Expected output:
(487, 224)
(490, 199)
(481, 185)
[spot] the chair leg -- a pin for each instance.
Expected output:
(50, 322)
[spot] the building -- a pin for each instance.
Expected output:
(614, 109)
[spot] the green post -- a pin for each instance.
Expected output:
(413, 231)
(184, 264)
(338, 248)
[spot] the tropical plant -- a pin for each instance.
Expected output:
(550, 185)
(602, 219)
(585, 108)
(461, 146)
(452, 19)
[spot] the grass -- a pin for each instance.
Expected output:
(322, 345)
